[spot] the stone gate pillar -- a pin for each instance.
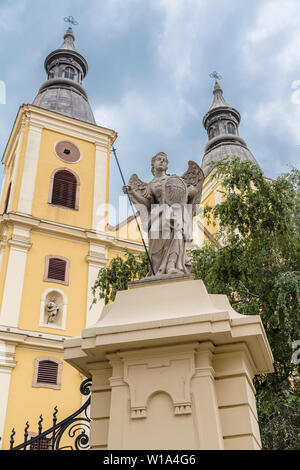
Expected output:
(172, 368)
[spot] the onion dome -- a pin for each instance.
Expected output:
(63, 92)
(222, 126)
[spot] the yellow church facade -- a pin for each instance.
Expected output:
(55, 236)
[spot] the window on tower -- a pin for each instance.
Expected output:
(65, 189)
(211, 132)
(69, 73)
(230, 128)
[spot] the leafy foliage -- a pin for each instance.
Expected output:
(258, 268)
(117, 274)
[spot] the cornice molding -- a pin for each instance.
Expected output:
(39, 117)
(71, 126)
(32, 339)
(68, 232)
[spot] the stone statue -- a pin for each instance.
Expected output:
(52, 310)
(167, 206)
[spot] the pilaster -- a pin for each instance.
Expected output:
(100, 404)
(205, 399)
(101, 185)
(30, 168)
(97, 259)
(7, 363)
(19, 245)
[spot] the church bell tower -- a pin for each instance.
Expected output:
(53, 240)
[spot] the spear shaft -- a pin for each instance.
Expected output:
(134, 213)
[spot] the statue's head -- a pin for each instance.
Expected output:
(160, 161)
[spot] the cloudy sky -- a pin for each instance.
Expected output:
(149, 65)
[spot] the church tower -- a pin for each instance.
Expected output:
(221, 123)
(53, 242)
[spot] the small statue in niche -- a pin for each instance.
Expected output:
(52, 310)
(167, 205)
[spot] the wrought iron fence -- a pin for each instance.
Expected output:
(76, 427)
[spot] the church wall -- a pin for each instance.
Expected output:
(84, 169)
(12, 172)
(36, 401)
(75, 291)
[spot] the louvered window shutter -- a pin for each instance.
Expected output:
(64, 189)
(57, 269)
(47, 372)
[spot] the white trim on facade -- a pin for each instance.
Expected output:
(30, 169)
(96, 259)
(12, 295)
(100, 188)
(7, 363)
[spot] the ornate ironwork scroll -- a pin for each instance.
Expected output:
(76, 427)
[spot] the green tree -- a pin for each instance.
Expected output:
(258, 268)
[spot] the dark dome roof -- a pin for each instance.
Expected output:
(62, 93)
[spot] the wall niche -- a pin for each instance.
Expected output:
(53, 309)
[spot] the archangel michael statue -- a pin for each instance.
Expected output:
(167, 206)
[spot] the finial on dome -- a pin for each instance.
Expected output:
(219, 100)
(69, 39)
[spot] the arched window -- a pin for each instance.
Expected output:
(65, 189)
(230, 128)
(211, 132)
(69, 73)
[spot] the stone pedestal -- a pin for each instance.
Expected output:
(172, 368)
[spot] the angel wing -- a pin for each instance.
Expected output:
(194, 176)
(138, 185)
(141, 189)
